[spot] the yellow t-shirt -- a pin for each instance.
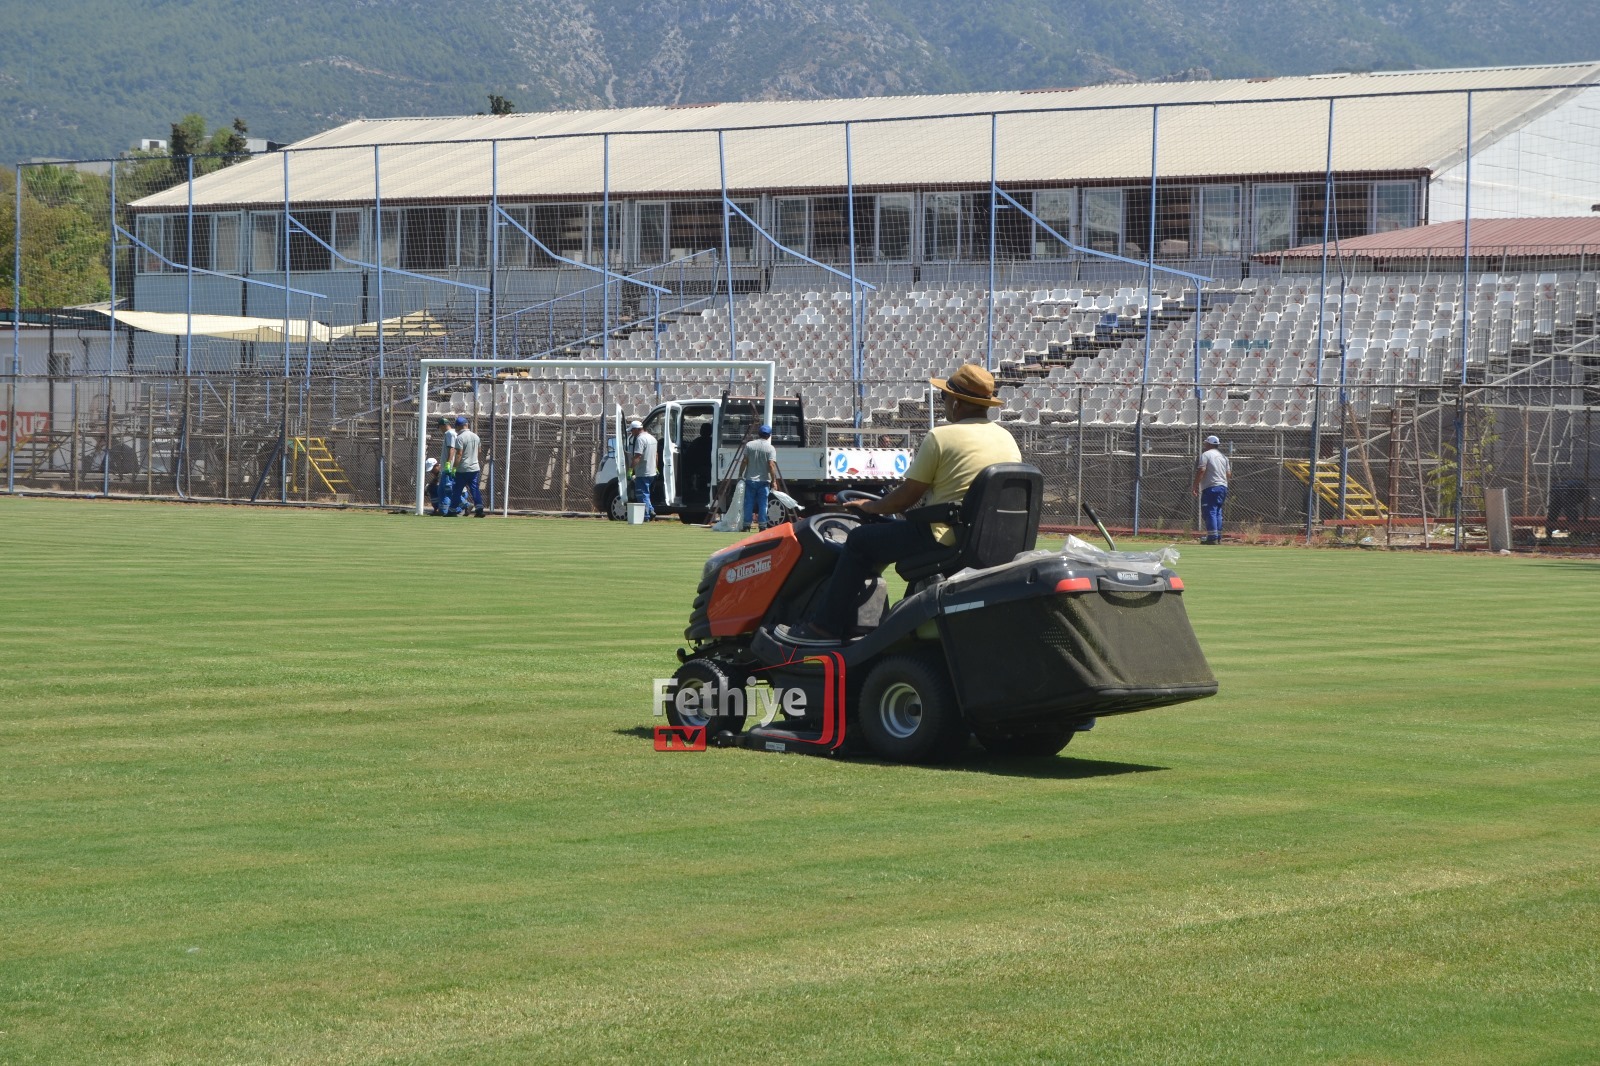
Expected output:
(952, 455)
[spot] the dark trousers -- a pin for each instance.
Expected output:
(1567, 501)
(755, 502)
(644, 487)
(466, 482)
(867, 550)
(1211, 502)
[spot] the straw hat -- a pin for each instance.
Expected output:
(970, 383)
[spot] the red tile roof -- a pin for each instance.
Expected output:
(1574, 235)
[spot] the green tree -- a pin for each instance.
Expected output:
(65, 237)
(499, 105)
(1477, 472)
(224, 147)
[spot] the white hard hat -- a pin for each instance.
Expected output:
(636, 424)
(432, 462)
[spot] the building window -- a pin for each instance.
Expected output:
(894, 228)
(1054, 209)
(386, 236)
(831, 225)
(472, 238)
(1013, 230)
(266, 248)
(1174, 211)
(308, 251)
(166, 238)
(793, 226)
(152, 234)
(598, 233)
(559, 227)
(1394, 206)
(226, 234)
(693, 226)
(346, 240)
(1351, 215)
(1102, 220)
(427, 236)
(696, 226)
(651, 222)
(1219, 220)
(201, 244)
(941, 226)
(1274, 217)
(514, 244)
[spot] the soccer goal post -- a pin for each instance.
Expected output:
(766, 367)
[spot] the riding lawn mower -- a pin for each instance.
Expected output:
(1020, 648)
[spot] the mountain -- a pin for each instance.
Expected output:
(87, 78)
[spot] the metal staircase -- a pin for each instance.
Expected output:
(311, 456)
(1359, 502)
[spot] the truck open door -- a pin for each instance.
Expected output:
(619, 449)
(669, 455)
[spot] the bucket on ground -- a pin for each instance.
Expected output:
(635, 514)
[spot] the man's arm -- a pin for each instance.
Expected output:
(901, 499)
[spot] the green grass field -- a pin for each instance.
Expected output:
(316, 787)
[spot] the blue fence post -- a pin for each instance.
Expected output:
(188, 286)
(1459, 540)
(605, 243)
(727, 253)
(288, 310)
(1149, 320)
(111, 351)
(1322, 336)
(1199, 393)
(994, 211)
(16, 336)
(494, 249)
(858, 359)
(377, 258)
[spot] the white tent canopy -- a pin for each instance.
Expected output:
(272, 330)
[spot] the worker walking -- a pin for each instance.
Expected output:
(447, 471)
(466, 468)
(1211, 474)
(760, 476)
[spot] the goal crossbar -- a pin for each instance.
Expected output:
(767, 367)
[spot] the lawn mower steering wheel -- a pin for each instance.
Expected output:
(846, 495)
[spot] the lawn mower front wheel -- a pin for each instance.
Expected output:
(712, 681)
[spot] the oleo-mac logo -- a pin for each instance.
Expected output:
(750, 569)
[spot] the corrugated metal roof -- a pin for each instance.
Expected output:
(1098, 132)
(1490, 236)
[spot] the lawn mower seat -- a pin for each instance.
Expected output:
(997, 520)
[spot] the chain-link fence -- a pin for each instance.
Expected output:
(1138, 275)
(1386, 465)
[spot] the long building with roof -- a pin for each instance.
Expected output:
(465, 213)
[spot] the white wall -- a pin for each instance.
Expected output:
(88, 350)
(1551, 166)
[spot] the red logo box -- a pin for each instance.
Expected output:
(680, 738)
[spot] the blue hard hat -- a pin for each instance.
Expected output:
(765, 431)
(461, 420)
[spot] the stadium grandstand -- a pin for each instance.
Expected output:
(1278, 257)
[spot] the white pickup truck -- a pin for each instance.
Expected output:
(700, 442)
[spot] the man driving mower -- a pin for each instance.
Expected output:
(951, 456)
